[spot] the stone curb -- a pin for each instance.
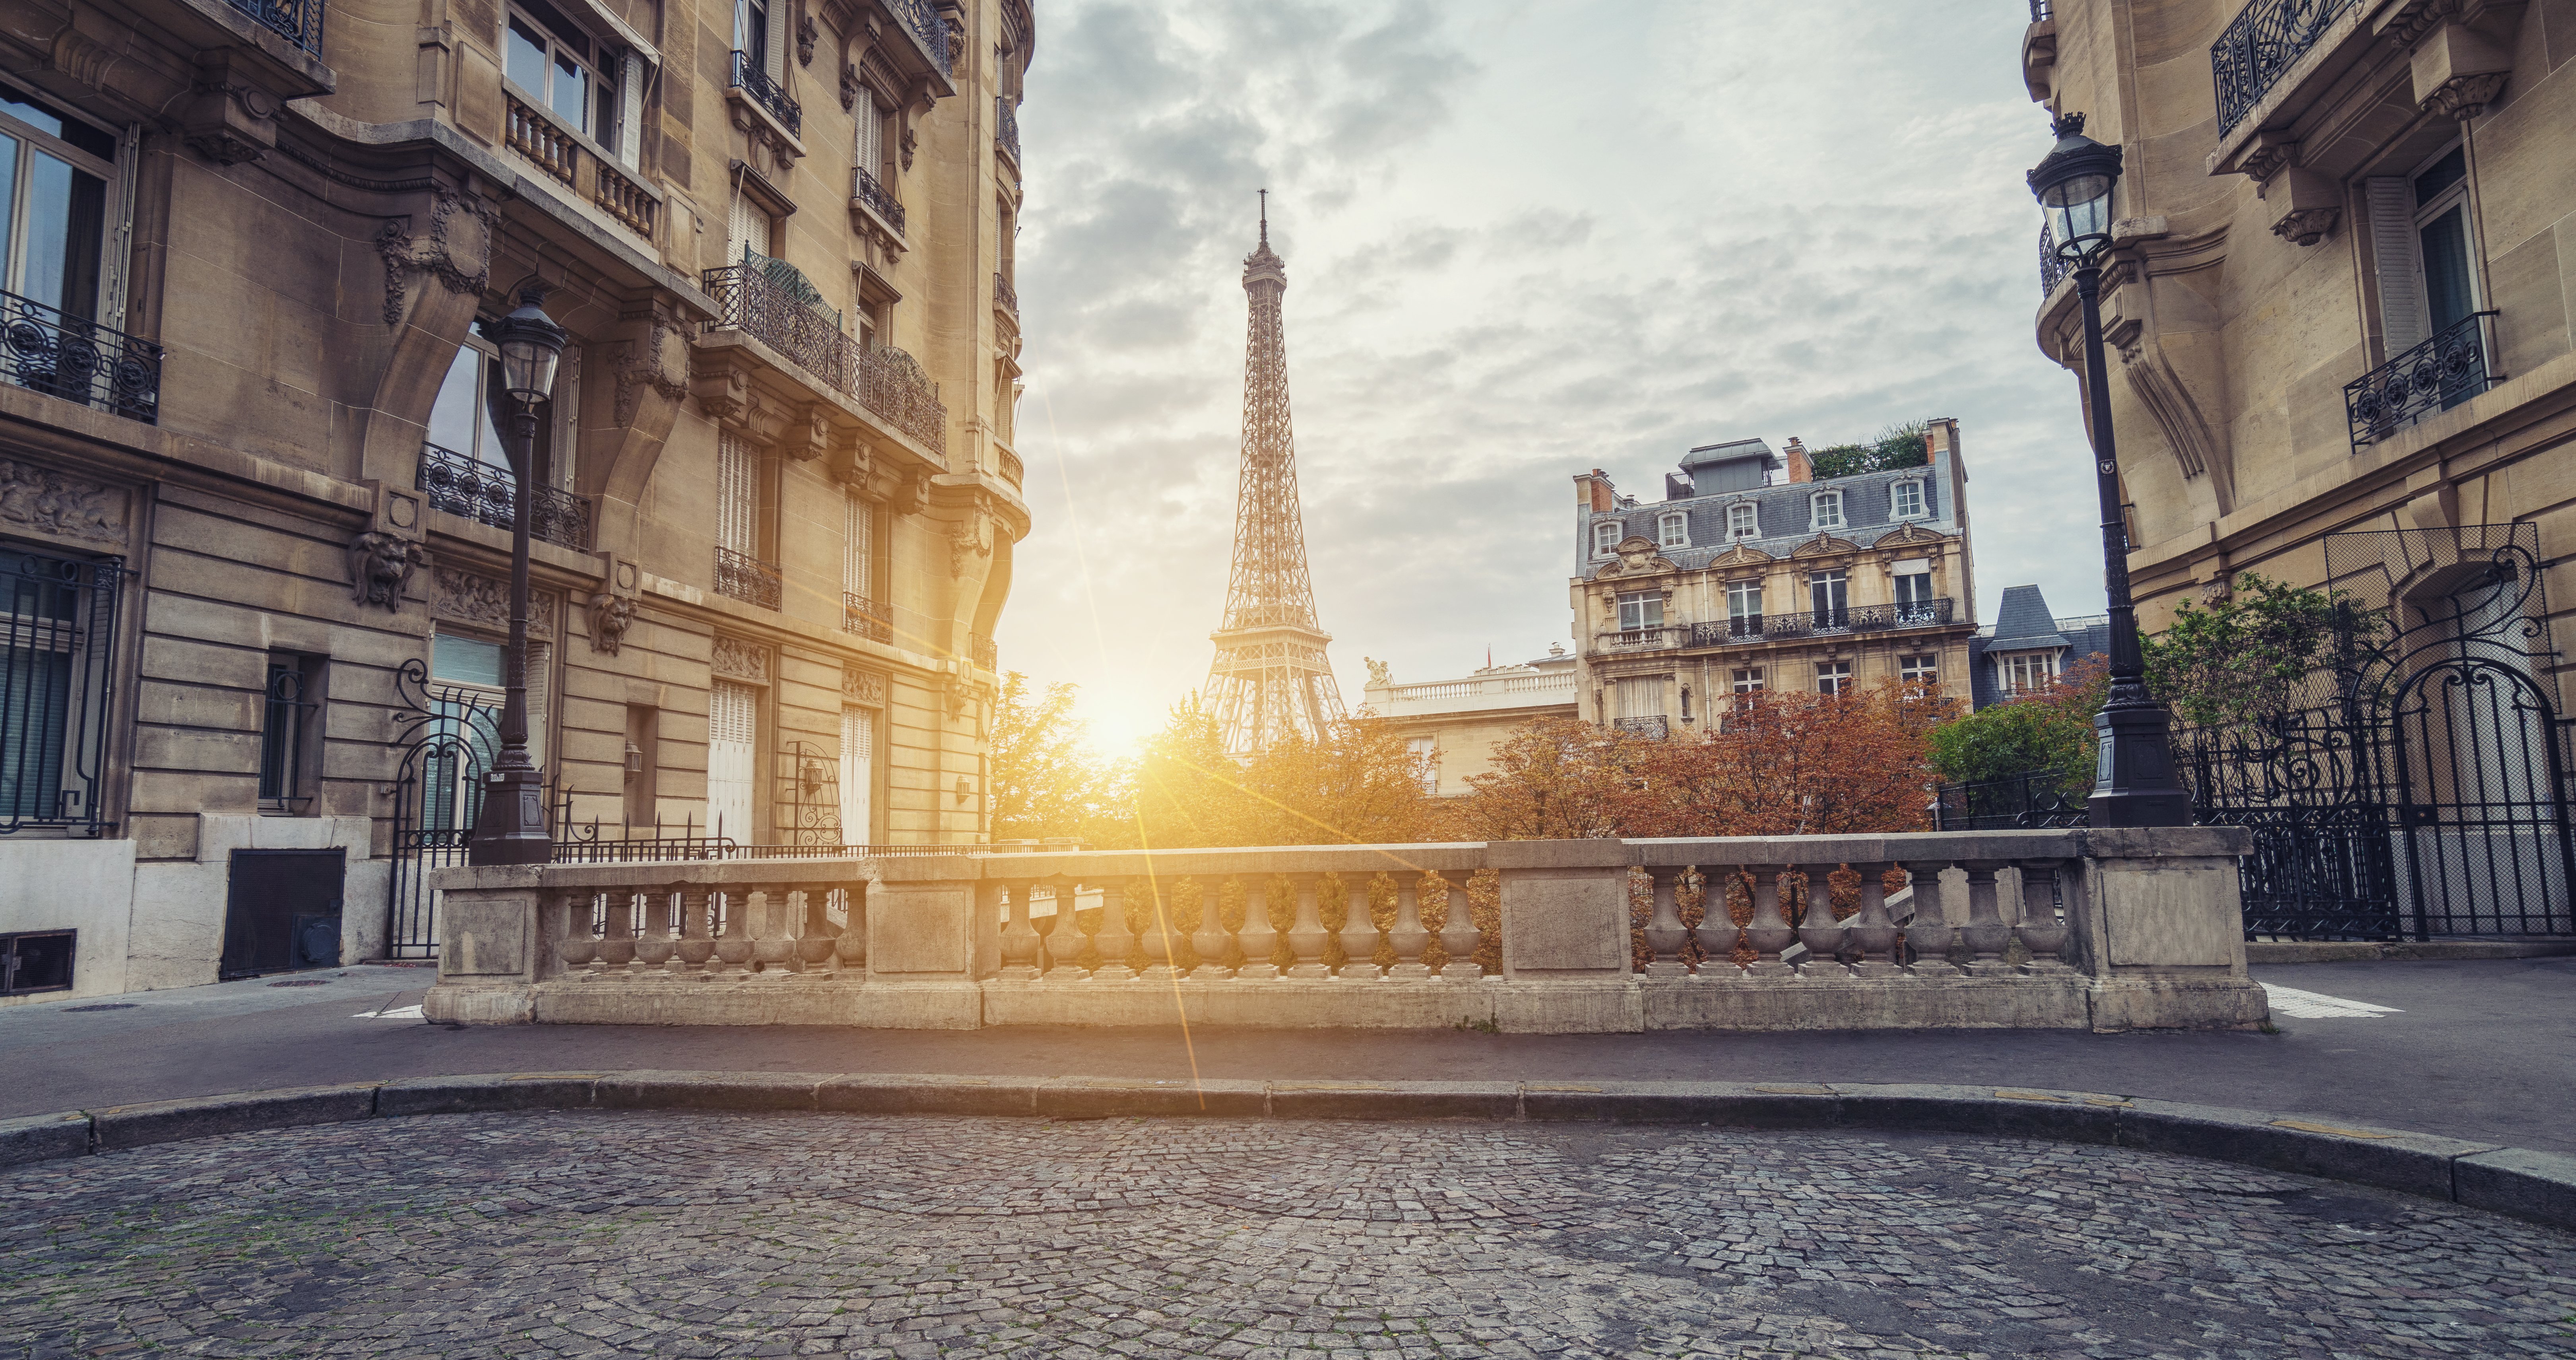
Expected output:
(2258, 952)
(2538, 1186)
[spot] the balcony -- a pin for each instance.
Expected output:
(1652, 729)
(298, 21)
(2261, 45)
(747, 578)
(2434, 376)
(2053, 267)
(1005, 297)
(870, 619)
(534, 135)
(1006, 128)
(875, 198)
(487, 494)
(1641, 639)
(1870, 618)
(922, 21)
(772, 302)
(757, 87)
(76, 359)
(983, 652)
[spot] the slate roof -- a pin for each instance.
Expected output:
(2023, 620)
(2022, 623)
(1783, 515)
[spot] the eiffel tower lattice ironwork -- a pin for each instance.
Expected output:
(1270, 680)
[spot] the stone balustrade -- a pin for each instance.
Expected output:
(2086, 929)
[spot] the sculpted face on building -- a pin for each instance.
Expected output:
(254, 510)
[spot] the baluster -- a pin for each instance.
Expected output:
(1717, 929)
(2043, 916)
(1770, 932)
(733, 939)
(1021, 943)
(1211, 939)
(1259, 938)
(1359, 932)
(1985, 934)
(617, 941)
(1818, 930)
(816, 942)
(1930, 937)
(1114, 940)
(1664, 933)
(1871, 930)
(579, 947)
(770, 946)
(653, 943)
(851, 949)
(1408, 938)
(1154, 943)
(695, 945)
(1459, 937)
(1307, 935)
(1060, 960)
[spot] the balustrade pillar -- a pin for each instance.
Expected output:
(654, 944)
(1930, 937)
(1664, 933)
(771, 947)
(1459, 937)
(617, 940)
(1359, 932)
(851, 949)
(1114, 940)
(2043, 916)
(695, 946)
(1154, 944)
(1307, 936)
(1717, 930)
(1871, 930)
(733, 942)
(1060, 955)
(579, 947)
(1259, 937)
(1770, 932)
(1817, 929)
(1021, 943)
(1408, 939)
(1986, 935)
(1211, 940)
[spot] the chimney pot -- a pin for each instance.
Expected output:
(1800, 470)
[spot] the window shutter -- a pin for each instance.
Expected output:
(2401, 276)
(737, 498)
(869, 154)
(858, 775)
(630, 111)
(746, 226)
(857, 548)
(774, 45)
(732, 719)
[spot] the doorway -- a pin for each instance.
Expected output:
(282, 911)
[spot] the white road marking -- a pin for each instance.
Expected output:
(2299, 1005)
(397, 1013)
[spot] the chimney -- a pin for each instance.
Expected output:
(1594, 491)
(1800, 470)
(1940, 436)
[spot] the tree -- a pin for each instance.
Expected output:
(1357, 784)
(1788, 763)
(1551, 779)
(1043, 777)
(2245, 658)
(2048, 730)
(1897, 446)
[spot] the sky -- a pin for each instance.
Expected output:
(1524, 238)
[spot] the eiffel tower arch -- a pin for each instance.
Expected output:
(1270, 680)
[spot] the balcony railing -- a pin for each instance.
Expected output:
(2437, 375)
(61, 355)
(487, 494)
(874, 196)
(927, 28)
(983, 652)
(1006, 127)
(1642, 639)
(747, 578)
(534, 135)
(1868, 618)
(299, 21)
(1005, 296)
(2040, 12)
(755, 83)
(752, 298)
(870, 619)
(1012, 470)
(2263, 43)
(2053, 267)
(1652, 729)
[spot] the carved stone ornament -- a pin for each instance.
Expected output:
(655, 360)
(1380, 672)
(2307, 226)
(2214, 593)
(908, 497)
(610, 617)
(735, 659)
(484, 601)
(806, 34)
(229, 122)
(849, 86)
(910, 140)
(44, 501)
(457, 251)
(2465, 97)
(969, 539)
(863, 686)
(380, 568)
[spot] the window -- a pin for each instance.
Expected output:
(1829, 594)
(733, 722)
(1919, 670)
(460, 420)
(463, 740)
(290, 736)
(752, 38)
(1641, 696)
(57, 651)
(2025, 672)
(1828, 510)
(1641, 609)
(737, 496)
(1686, 713)
(1905, 500)
(858, 773)
(36, 961)
(747, 231)
(868, 153)
(1833, 677)
(1605, 538)
(2420, 234)
(1672, 530)
(1744, 608)
(1425, 754)
(1749, 680)
(643, 766)
(56, 178)
(1743, 520)
(564, 70)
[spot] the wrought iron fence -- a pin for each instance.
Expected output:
(486, 494)
(2053, 267)
(1652, 729)
(1869, 618)
(747, 578)
(1006, 126)
(2436, 375)
(892, 384)
(2033, 799)
(922, 21)
(876, 198)
(2266, 39)
(62, 355)
(751, 79)
(299, 21)
(57, 684)
(870, 619)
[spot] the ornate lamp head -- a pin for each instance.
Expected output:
(531, 344)
(2073, 184)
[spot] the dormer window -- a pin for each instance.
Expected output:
(1827, 510)
(1605, 538)
(1672, 530)
(1743, 520)
(1905, 500)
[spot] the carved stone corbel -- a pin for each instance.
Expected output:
(656, 360)
(969, 539)
(2457, 71)
(456, 250)
(806, 36)
(2306, 206)
(850, 462)
(809, 435)
(912, 494)
(228, 119)
(721, 387)
(610, 617)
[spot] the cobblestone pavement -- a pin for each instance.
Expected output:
(755, 1235)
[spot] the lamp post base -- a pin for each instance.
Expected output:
(2133, 782)
(511, 828)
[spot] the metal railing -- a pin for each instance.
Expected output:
(924, 24)
(747, 578)
(1652, 729)
(299, 21)
(876, 197)
(749, 298)
(983, 652)
(2437, 375)
(2040, 11)
(282, 740)
(2053, 267)
(891, 383)
(1006, 127)
(488, 494)
(870, 619)
(61, 355)
(671, 849)
(1004, 295)
(58, 633)
(2266, 39)
(1868, 618)
(749, 78)
(2035, 800)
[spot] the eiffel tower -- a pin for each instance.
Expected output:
(1270, 680)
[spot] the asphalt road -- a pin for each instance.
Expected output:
(2481, 1049)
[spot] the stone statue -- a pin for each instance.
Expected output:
(610, 615)
(380, 568)
(1380, 672)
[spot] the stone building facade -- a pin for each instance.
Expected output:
(2026, 649)
(253, 507)
(2344, 275)
(1737, 582)
(1453, 726)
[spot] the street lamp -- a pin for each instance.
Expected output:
(511, 827)
(2133, 774)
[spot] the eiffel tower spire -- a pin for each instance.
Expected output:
(1270, 679)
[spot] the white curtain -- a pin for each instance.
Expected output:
(737, 497)
(858, 545)
(858, 772)
(732, 723)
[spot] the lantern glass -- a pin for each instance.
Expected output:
(528, 369)
(2078, 207)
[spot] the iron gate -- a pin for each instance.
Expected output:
(449, 736)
